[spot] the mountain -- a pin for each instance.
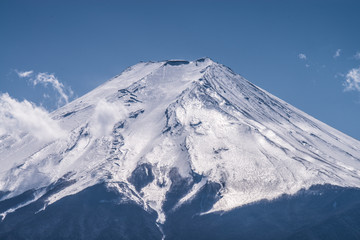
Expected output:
(180, 150)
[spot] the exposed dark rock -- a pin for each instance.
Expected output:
(322, 212)
(93, 213)
(141, 176)
(176, 62)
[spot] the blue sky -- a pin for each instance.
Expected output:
(286, 47)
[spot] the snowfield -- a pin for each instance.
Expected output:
(198, 121)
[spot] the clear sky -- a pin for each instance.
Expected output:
(301, 51)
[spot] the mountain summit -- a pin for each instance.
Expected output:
(160, 137)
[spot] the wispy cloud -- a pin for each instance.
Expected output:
(46, 79)
(18, 118)
(339, 75)
(105, 117)
(302, 56)
(24, 74)
(337, 53)
(357, 56)
(352, 82)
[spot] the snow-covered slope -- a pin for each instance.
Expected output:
(196, 121)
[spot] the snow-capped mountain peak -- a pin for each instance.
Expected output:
(161, 128)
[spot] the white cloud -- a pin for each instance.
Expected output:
(307, 65)
(302, 56)
(337, 53)
(352, 82)
(45, 79)
(339, 75)
(18, 118)
(357, 55)
(24, 74)
(105, 117)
